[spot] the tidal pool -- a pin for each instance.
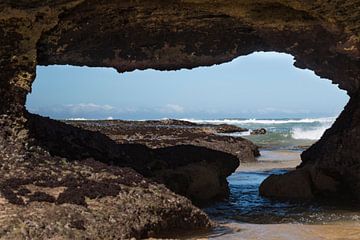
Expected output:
(247, 215)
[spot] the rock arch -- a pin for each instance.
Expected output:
(323, 36)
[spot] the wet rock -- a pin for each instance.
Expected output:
(324, 184)
(303, 183)
(336, 153)
(296, 185)
(260, 131)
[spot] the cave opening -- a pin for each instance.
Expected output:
(264, 87)
(106, 179)
(260, 91)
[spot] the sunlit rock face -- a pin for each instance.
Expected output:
(323, 36)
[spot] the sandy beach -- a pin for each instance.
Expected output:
(269, 160)
(335, 231)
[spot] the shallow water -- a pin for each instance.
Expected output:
(247, 215)
(247, 206)
(294, 134)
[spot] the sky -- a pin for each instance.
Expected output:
(261, 85)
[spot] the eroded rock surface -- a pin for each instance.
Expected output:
(51, 198)
(166, 133)
(323, 36)
(198, 173)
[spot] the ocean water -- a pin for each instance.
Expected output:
(245, 205)
(281, 133)
(247, 215)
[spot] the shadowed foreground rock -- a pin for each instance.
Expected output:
(166, 133)
(198, 173)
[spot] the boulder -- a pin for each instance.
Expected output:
(260, 131)
(303, 183)
(295, 185)
(195, 172)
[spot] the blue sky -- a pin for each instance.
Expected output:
(260, 85)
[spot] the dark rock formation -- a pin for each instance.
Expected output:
(227, 128)
(51, 198)
(294, 185)
(323, 36)
(187, 170)
(304, 184)
(335, 157)
(197, 173)
(220, 128)
(260, 131)
(166, 133)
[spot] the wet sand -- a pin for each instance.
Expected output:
(335, 231)
(269, 160)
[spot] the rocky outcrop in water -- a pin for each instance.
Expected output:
(305, 183)
(323, 36)
(198, 173)
(166, 133)
(260, 131)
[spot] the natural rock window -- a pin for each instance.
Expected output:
(260, 85)
(44, 162)
(282, 107)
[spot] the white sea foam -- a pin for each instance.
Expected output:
(299, 129)
(311, 134)
(301, 132)
(238, 134)
(88, 119)
(264, 121)
(77, 119)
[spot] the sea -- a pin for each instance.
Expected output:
(282, 134)
(247, 215)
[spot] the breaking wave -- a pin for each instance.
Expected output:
(311, 134)
(284, 133)
(264, 121)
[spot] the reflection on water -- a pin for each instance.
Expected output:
(246, 206)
